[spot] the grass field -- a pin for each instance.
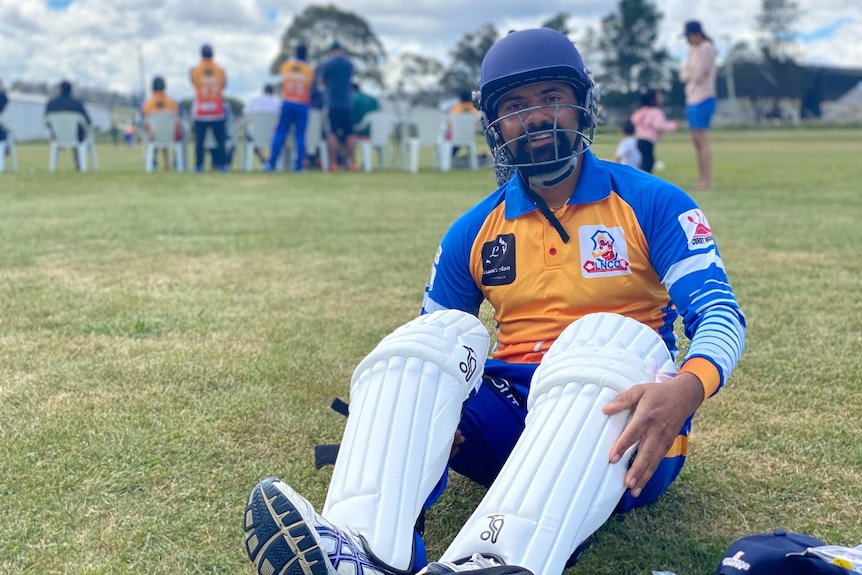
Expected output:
(170, 339)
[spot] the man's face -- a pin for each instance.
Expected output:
(539, 122)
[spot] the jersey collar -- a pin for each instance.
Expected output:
(594, 184)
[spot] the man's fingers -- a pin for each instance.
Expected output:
(625, 400)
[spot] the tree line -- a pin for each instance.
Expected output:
(623, 53)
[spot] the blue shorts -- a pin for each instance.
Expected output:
(492, 420)
(698, 116)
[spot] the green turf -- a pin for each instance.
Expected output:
(170, 339)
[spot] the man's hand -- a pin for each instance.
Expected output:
(660, 410)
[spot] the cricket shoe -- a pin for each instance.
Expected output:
(477, 564)
(285, 536)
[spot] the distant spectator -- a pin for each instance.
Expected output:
(464, 106)
(3, 101)
(297, 82)
(129, 134)
(650, 123)
(336, 75)
(263, 103)
(362, 104)
(65, 102)
(627, 150)
(208, 112)
(699, 75)
(159, 102)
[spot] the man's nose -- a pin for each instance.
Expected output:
(539, 116)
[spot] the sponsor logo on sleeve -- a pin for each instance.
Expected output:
(696, 229)
(604, 251)
(498, 261)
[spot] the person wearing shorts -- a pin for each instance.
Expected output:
(698, 74)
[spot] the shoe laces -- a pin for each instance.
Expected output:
(479, 561)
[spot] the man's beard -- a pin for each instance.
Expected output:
(552, 156)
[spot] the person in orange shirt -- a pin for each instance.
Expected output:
(159, 102)
(208, 110)
(297, 79)
(464, 106)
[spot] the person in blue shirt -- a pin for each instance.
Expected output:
(335, 74)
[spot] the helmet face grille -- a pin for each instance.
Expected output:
(529, 57)
(516, 152)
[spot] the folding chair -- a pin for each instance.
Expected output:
(64, 131)
(462, 134)
(429, 125)
(259, 131)
(380, 125)
(163, 126)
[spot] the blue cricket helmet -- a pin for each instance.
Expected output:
(526, 57)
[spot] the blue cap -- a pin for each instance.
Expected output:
(778, 552)
(692, 27)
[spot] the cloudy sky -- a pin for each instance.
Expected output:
(102, 43)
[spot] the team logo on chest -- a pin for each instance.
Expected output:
(603, 252)
(498, 261)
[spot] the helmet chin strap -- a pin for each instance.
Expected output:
(555, 176)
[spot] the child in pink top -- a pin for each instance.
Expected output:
(650, 123)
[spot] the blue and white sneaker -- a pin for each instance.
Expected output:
(285, 536)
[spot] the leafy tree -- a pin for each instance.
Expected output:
(467, 59)
(559, 22)
(631, 56)
(776, 20)
(415, 79)
(317, 27)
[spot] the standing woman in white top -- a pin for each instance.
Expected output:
(698, 74)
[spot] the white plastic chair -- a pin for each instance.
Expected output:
(259, 131)
(429, 125)
(314, 139)
(462, 134)
(64, 130)
(163, 126)
(8, 145)
(380, 126)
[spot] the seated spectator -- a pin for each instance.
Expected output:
(65, 102)
(160, 102)
(362, 104)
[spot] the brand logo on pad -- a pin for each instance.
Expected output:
(604, 252)
(498, 261)
(468, 366)
(696, 229)
(495, 526)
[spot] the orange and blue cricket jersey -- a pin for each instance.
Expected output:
(638, 246)
(297, 77)
(159, 102)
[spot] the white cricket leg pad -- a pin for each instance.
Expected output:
(405, 405)
(558, 486)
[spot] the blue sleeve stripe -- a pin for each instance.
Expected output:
(720, 338)
(695, 263)
(714, 297)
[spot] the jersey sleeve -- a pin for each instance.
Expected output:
(451, 284)
(685, 255)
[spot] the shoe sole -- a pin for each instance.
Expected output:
(277, 538)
